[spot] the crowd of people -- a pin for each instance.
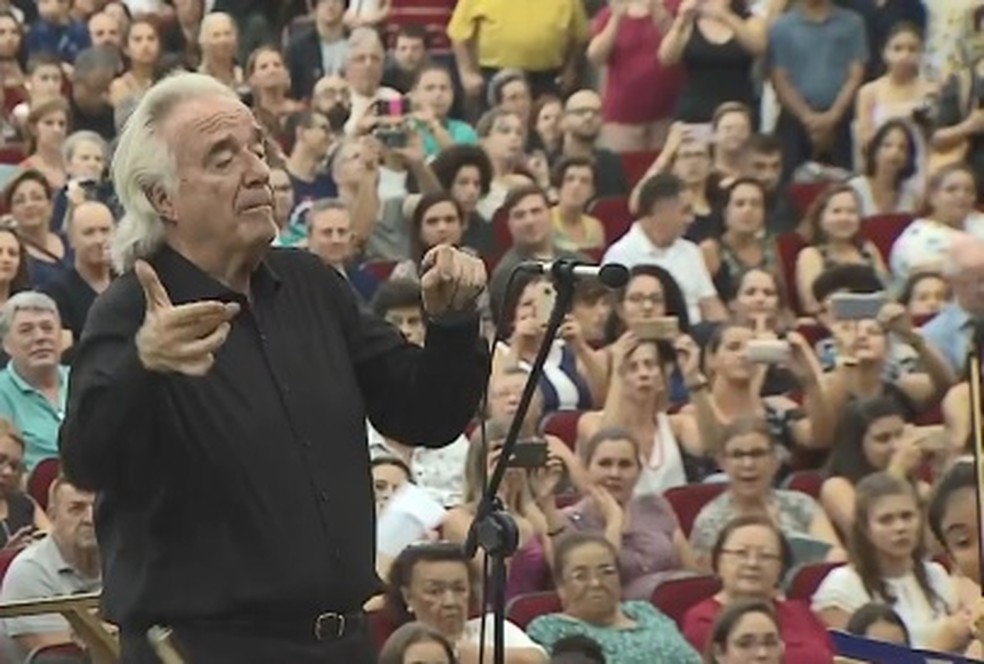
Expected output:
(782, 384)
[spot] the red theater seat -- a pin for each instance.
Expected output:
(523, 609)
(687, 501)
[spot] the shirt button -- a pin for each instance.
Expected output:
(324, 496)
(306, 443)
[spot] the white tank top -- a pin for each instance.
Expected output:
(664, 468)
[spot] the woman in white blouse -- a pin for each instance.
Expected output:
(924, 243)
(888, 565)
(888, 184)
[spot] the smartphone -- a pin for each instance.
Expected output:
(544, 305)
(393, 108)
(662, 328)
(768, 351)
(857, 306)
(529, 454)
(702, 133)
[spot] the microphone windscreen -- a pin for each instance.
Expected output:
(613, 275)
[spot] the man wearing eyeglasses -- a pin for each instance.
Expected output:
(581, 125)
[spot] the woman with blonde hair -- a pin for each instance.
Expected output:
(47, 126)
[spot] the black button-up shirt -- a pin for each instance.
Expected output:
(247, 493)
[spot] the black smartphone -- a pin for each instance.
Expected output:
(393, 108)
(529, 454)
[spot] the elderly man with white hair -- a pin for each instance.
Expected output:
(219, 394)
(34, 385)
(364, 74)
(952, 330)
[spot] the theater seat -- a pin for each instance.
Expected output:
(523, 609)
(805, 193)
(635, 164)
(6, 557)
(613, 211)
(788, 247)
(674, 597)
(882, 231)
(563, 424)
(805, 481)
(807, 578)
(381, 270)
(688, 500)
(40, 480)
(57, 652)
(381, 625)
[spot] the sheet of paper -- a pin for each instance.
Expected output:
(406, 519)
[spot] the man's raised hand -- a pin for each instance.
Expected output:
(183, 338)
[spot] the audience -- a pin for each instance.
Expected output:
(531, 139)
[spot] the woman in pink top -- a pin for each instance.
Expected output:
(751, 556)
(640, 94)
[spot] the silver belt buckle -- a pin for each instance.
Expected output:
(329, 625)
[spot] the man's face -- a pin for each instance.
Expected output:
(409, 52)
(582, 115)
(364, 68)
(329, 12)
(223, 196)
(33, 340)
(529, 222)
(103, 29)
(55, 11)
(87, 161)
(329, 92)
(669, 219)
(410, 321)
(577, 186)
(71, 518)
(220, 37)
(766, 168)
(330, 236)
(89, 233)
(283, 196)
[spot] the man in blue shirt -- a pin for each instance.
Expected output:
(952, 330)
(34, 385)
(816, 58)
(56, 32)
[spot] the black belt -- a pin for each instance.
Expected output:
(327, 626)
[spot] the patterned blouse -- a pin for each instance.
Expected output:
(655, 637)
(795, 511)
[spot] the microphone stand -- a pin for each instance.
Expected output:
(493, 530)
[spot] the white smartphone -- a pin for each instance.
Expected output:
(857, 306)
(768, 351)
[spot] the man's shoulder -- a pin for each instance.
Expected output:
(33, 567)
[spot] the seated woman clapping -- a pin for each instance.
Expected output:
(746, 631)
(751, 556)
(671, 453)
(587, 577)
(432, 584)
(887, 563)
(871, 437)
(749, 459)
(642, 529)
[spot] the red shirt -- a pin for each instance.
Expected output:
(638, 89)
(806, 638)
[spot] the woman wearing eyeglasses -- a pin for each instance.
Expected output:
(586, 571)
(747, 632)
(751, 557)
(749, 458)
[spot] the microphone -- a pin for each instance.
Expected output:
(612, 275)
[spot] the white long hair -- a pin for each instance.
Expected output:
(143, 160)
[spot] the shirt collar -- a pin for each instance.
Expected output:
(644, 240)
(186, 282)
(27, 388)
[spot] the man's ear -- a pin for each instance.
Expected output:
(161, 202)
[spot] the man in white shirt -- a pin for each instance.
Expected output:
(364, 73)
(656, 238)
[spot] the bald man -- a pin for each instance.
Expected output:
(581, 125)
(951, 331)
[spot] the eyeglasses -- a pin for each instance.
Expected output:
(584, 575)
(750, 642)
(749, 554)
(754, 455)
(639, 298)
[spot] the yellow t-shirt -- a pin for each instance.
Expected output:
(594, 233)
(534, 35)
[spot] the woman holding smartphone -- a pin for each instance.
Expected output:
(670, 450)
(575, 375)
